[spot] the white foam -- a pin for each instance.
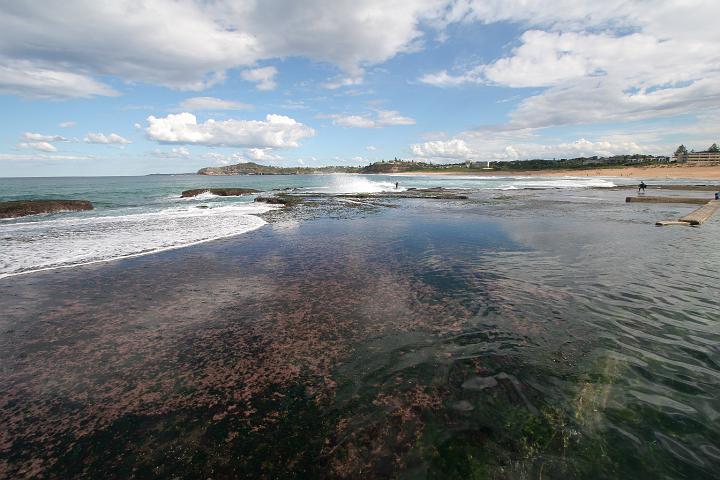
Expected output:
(349, 183)
(560, 182)
(64, 242)
(202, 196)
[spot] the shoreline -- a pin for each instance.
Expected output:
(693, 172)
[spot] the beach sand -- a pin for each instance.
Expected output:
(655, 172)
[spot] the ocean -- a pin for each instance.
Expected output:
(142, 215)
(541, 328)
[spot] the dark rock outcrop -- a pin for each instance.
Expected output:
(21, 208)
(285, 200)
(222, 192)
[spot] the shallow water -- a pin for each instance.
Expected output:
(553, 334)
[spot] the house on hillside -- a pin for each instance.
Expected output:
(712, 154)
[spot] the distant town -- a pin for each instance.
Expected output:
(711, 156)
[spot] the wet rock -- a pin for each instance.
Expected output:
(479, 383)
(222, 192)
(462, 406)
(285, 200)
(21, 208)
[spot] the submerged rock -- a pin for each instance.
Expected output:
(479, 383)
(462, 406)
(222, 192)
(21, 208)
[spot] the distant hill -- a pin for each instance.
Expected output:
(397, 166)
(251, 168)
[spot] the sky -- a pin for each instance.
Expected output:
(130, 87)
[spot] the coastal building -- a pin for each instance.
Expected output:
(690, 157)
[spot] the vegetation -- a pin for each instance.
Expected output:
(398, 165)
(580, 162)
(251, 168)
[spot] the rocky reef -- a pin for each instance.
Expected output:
(281, 199)
(222, 192)
(21, 208)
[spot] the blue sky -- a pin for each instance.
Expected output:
(127, 87)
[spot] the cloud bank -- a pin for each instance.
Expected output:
(276, 131)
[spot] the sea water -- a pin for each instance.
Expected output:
(543, 328)
(143, 215)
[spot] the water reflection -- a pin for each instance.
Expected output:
(505, 339)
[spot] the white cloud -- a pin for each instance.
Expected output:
(25, 78)
(264, 77)
(370, 148)
(190, 44)
(178, 152)
(276, 131)
(218, 158)
(294, 105)
(339, 82)
(353, 121)
(210, 103)
(40, 142)
(67, 124)
(455, 149)
(262, 154)
(443, 79)
(392, 117)
(598, 61)
(256, 155)
(382, 118)
(11, 157)
(41, 146)
(493, 146)
(113, 138)
(39, 137)
(249, 155)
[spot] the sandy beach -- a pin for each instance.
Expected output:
(656, 171)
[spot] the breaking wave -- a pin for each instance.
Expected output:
(31, 246)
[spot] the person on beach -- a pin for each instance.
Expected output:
(396, 186)
(717, 195)
(642, 186)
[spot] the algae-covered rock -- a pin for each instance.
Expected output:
(222, 192)
(285, 200)
(21, 208)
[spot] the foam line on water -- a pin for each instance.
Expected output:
(564, 182)
(348, 183)
(69, 242)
